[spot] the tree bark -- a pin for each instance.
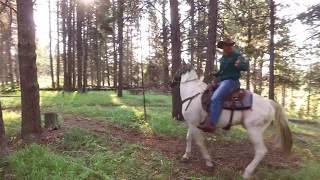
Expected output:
(271, 49)
(51, 121)
(120, 49)
(2, 75)
(3, 141)
(308, 101)
(31, 122)
(165, 45)
(97, 53)
(8, 50)
(176, 58)
(64, 10)
(74, 34)
(283, 94)
(212, 37)
(58, 47)
(192, 31)
(114, 43)
(249, 47)
(68, 76)
(85, 50)
(50, 47)
(80, 17)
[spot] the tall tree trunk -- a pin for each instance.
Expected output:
(58, 47)
(254, 75)
(283, 95)
(114, 43)
(260, 81)
(271, 49)
(120, 49)
(97, 53)
(2, 64)
(249, 47)
(308, 101)
(50, 47)
(16, 69)
(3, 141)
(85, 56)
(165, 45)
(8, 51)
(127, 78)
(64, 10)
(69, 51)
(176, 57)
(74, 34)
(192, 31)
(199, 48)
(107, 69)
(80, 17)
(212, 37)
(31, 122)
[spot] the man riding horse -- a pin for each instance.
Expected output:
(231, 64)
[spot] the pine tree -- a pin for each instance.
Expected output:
(176, 57)
(31, 122)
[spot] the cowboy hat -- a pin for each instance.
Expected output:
(225, 42)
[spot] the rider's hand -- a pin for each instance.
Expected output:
(237, 63)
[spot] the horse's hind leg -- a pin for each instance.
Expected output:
(187, 154)
(198, 137)
(256, 136)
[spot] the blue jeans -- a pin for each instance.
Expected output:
(226, 88)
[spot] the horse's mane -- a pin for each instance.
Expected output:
(184, 69)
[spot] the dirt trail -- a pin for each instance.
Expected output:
(234, 155)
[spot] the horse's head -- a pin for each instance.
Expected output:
(185, 73)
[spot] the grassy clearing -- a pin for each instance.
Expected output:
(106, 106)
(84, 155)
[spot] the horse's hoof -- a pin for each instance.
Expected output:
(209, 164)
(246, 176)
(185, 158)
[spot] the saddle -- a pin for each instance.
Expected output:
(240, 99)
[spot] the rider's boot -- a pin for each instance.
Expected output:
(207, 126)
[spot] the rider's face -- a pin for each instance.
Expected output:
(227, 49)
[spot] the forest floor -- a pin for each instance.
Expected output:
(106, 137)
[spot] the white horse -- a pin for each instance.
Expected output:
(255, 120)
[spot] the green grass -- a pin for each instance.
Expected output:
(38, 162)
(308, 171)
(84, 155)
(12, 120)
(106, 106)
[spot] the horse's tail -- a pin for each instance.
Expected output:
(282, 122)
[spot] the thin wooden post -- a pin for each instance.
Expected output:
(142, 81)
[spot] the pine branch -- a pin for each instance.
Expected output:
(6, 4)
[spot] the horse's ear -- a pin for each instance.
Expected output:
(183, 62)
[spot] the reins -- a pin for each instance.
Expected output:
(190, 100)
(191, 97)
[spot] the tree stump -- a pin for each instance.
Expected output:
(51, 121)
(135, 91)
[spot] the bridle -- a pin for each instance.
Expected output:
(188, 99)
(189, 80)
(177, 82)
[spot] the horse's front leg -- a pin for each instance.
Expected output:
(187, 154)
(198, 137)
